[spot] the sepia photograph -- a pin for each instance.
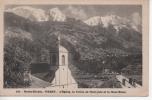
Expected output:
(78, 46)
(74, 49)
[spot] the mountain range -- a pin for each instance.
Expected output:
(34, 14)
(55, 14)
(93, 38)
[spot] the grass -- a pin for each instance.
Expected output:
(98, 81)
(94, 80)
(46, 76)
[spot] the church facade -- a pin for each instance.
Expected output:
(59, 62)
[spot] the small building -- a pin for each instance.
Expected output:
(57, 71)
(59, 63)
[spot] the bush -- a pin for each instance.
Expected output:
(15, 61)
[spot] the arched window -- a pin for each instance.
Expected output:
(63, 60)
(53, 59)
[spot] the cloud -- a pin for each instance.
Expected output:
(136, 19)
(76, 12)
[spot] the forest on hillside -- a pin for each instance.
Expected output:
(25, 42)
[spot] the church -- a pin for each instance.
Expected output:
(57, 72)
(59, 62)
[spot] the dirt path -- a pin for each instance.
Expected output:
(38, 83)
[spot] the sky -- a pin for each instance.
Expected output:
(83, 12)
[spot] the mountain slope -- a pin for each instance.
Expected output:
(30, 13)
(34, 14)
(29, 40)
(80, 37)
(117, 21)
(56, 15)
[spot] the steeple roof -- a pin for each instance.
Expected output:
(62, 49)
(58, 47)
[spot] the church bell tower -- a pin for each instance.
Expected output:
(63, 77)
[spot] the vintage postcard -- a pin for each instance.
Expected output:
(74, 48)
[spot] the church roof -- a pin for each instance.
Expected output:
(62, 49)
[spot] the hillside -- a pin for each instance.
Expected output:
(78, 35)
(87, 42)
(31, 39)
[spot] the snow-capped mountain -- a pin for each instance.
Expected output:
(82, 38)
(117, 21)
(56, 15)
(35, 14)
(30, 13)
